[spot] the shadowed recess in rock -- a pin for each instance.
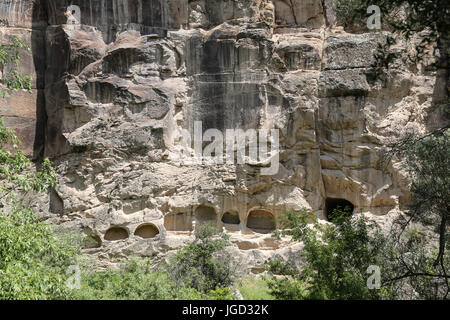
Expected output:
(205, 214)
(178, 222)
(261, 221)
(231, 217)
(147, 231)
(333, 203)
(56, 204)
(116, 233)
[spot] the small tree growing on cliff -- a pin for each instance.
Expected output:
(16, 176)
(336, 258)
(429, 18)
(202, 264)
(426, 160)
(9, 62)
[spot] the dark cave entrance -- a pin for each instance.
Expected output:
(147, 231)
(261, 221)
(205, 214)
(231, 217)
(335, 203)
(115, 234)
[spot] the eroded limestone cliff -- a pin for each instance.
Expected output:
(113, 93)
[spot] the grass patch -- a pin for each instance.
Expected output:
(254, 288)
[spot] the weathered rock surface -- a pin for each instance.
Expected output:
(114, 93)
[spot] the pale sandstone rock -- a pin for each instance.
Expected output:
(115, 92)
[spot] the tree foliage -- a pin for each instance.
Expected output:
(203, 264)
(198, 271)
(426, 160)
(9, 62)
(137, 279)
(336, 258)
(425, 157)
(33, 256)
(405, 16)
(425, 21)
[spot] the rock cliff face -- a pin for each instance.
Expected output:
(117, 82)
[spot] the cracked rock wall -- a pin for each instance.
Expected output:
(113, 94)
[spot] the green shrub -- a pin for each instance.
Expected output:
(135, 281)
(216, 294)
(287, 288)
(138, 280)
(340, 214)
(9, 59)
(336, 259)
(202, 264)
(33, 257)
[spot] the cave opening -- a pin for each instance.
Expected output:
(331, 204)
(116, 233)
(146, 231)
(205, 214)
(231, 217)
(261, 221)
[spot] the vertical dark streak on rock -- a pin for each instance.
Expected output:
(38, 40)
(293, 12)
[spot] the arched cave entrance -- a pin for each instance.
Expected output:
(116, 233)
(231, 217)
(335, 203)
(180, 221)
(205, 214)
(146, 231)
(261, 221)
